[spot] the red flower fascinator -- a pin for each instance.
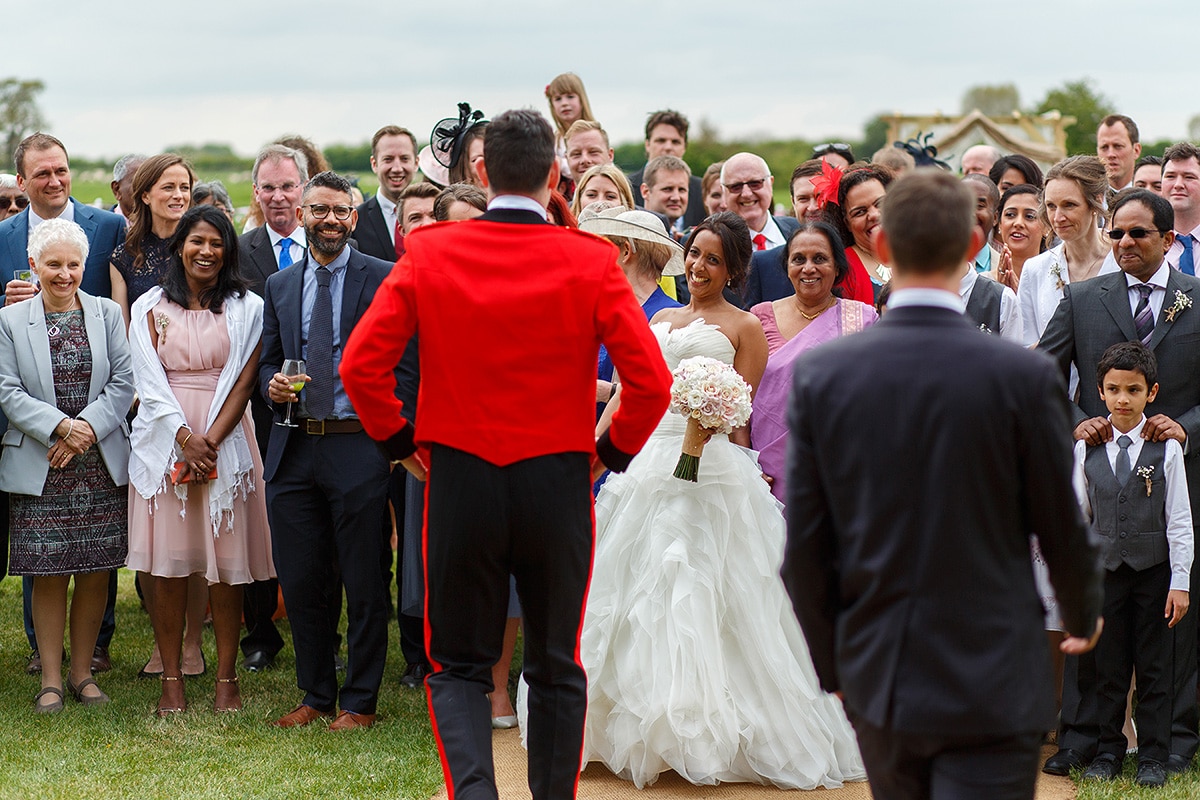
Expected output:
(826, 184)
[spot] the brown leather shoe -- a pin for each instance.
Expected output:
(301, 715)
(348, 721)
(100, 660)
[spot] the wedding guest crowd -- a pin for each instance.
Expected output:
(173, 403)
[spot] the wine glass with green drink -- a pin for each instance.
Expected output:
(293, 370)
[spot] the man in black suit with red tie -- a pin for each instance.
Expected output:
(923, 455)
(507, 411)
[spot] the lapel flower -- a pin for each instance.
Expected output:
(1147, 473)
(1056, 273)
(1182, 301)
(983, 327)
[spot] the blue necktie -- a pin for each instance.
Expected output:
(1123, 469)
(319, 391)
(1187, 259)
(285, 252)
(1143, 315)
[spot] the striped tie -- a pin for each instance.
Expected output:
(1143, 316)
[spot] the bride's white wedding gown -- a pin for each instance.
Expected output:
(694, 658)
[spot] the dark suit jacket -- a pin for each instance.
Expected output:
(1095, 314)
(922, 456)
(256, 258)
(372, 234)
(104, 231)
(768, 278)
(695, 212)
(281, 327)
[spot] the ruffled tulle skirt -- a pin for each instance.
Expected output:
(694, 658)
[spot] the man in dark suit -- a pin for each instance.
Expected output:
(506, 406)
(749, 188)
(394, 162)
(44, 174)
(326, 480)
(768, 278)
(666, 135)
(1092, 316)
(278, 176)
(917, 596)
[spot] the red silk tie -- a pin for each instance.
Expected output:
(760, 242)
(399, 240)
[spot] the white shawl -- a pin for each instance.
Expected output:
(159, 416)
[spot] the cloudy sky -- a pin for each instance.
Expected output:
(146, 74)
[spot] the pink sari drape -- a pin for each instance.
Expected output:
(768, 421)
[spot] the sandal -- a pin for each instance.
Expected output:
(86, 700)
(52, 708)
(231, 708)
(162, 711)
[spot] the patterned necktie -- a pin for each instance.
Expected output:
(285, 252)
(760, 242)
(1187, 259)
(1143, 315)
(1123, 469)
(319, 391)
(399, 239)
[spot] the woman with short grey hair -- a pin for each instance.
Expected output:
(66, 384)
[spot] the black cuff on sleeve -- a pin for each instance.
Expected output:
(400, 444)
(614, 459)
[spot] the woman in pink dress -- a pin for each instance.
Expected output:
(817, 313)
(196, 502)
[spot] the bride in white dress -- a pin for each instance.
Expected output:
(695, 661)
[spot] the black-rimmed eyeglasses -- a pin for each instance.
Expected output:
(321, 211)
(736, 188)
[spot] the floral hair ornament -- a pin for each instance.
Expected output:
(449, 136)
(826, 184)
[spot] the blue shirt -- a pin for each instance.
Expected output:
(337, 282)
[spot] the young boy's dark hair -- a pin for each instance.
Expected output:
(1131, 357)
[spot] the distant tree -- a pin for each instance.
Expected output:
(349, 157)
(211, 157)
(1194, 128)
(994, 101)
(875, 136)
(1078, 99)
(19, 114)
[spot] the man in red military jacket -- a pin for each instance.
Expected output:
(511, 313)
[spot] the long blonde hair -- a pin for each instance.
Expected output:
(614, 174)
(568, 83)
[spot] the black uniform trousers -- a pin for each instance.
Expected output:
(325, 503)
(533, 520)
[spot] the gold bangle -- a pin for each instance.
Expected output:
(183, 444)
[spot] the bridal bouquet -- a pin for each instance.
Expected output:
(714, 399)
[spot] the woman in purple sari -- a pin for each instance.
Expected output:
(815, 261)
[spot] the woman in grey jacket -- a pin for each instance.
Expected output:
(66, 384)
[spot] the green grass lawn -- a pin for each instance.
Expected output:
(1179, 787)
(123, 751)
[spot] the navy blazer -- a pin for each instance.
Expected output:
(104, 231)
(919, 602)
(281, 327)
(372, 232)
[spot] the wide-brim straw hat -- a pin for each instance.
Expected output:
(636, 224)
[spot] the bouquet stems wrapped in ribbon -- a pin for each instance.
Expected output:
(714, 399)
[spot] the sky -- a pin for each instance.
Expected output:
(144, 75)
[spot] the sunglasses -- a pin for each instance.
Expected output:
(736, 188)
(20, 201)
(1117, 234)
(832, 147)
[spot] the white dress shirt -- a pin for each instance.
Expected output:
(936, 298)
(68, 214)
(390, 210)
(771, 231)
(518, 202)
(1159, 281)
(1010, 314)
(1178, 505)
(298, 243)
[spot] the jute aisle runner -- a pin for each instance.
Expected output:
(598, 783)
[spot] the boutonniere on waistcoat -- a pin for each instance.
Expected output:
(1182, 301)
(1147, 473)
(1056, 273)
(161, 321)
(983, 327)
